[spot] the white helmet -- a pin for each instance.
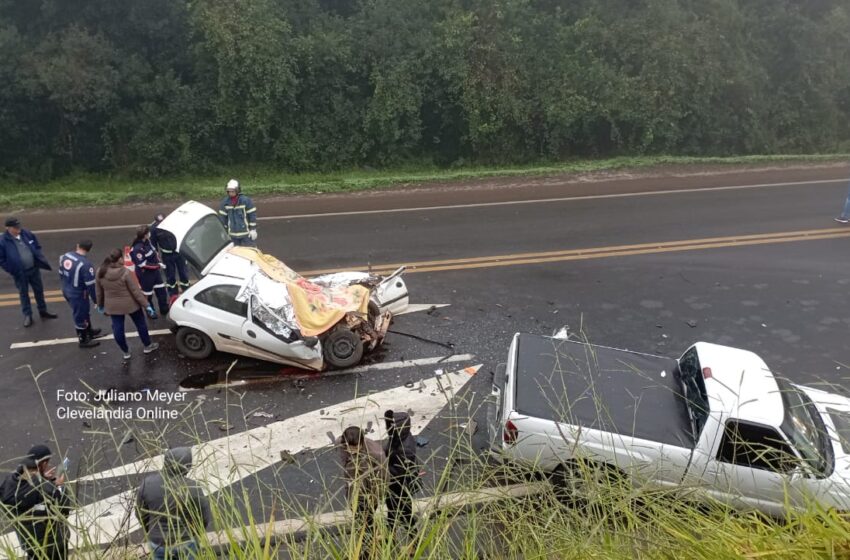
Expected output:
(233, 185)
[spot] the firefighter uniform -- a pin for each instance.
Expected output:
(176, 273)
(77, 275)
(239, 216)
(148, 267)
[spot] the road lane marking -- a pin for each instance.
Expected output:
(485, 204)
(604, 252)
(7, 300)
(412, 308)
(223, 541)
(417, 307)
(450, 359)
(222, 462)
(55, 341)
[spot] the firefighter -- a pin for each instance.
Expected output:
(148, 268)
(77, 275)
(239, 216)
(176, 273)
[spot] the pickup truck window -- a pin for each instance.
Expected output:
(693, 386)
(805, 428)
(758, 447)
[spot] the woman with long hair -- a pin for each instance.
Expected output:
(119, 294)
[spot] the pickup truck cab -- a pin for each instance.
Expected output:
(716, 422)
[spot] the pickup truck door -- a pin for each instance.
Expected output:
(753, 468)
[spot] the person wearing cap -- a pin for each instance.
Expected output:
(22, 259)
(78, 288)
(35, 499)
(239, 216)
(176, 273)
(172, 508)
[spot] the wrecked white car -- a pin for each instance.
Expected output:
(250, 303)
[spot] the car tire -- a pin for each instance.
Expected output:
(194, 344)
(342, 348)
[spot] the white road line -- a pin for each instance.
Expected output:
(55, 341)
(224, 461)
(485, 204)
(417, 307)
(336, 372)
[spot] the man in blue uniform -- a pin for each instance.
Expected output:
(148, 267)
(77, 275)
(239, 216)
(176, 273)
(21, 257)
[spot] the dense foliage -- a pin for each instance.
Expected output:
(161, 86)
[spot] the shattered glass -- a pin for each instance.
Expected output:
(274, 309)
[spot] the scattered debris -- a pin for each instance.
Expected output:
(691, 323)
(469, 428)
(448, 345)
(225, 427)
(128, 438)
(421, 441)
(330, 435)
(563, 333)
(286, 457)
(261, 414)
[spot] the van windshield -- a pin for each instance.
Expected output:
(204, 241)
(805, 428)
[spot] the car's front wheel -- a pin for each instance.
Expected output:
(342, 347)
(194, 344)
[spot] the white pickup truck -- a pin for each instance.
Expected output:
(716, 422)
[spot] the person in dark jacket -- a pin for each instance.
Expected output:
(172, 508)
(77, 276)
(36, 500)
(362, 461)
(176, 273)
(21, 257)
(148, 269)
(403, 468)
(239, 215)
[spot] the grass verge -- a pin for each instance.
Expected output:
(612, 520)
(99, 190)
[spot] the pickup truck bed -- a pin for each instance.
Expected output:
(602, 388)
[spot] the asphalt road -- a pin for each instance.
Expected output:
(505, 256)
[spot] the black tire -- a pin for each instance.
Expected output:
(342, 347)
(194, 344)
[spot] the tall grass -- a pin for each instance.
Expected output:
(612, 519)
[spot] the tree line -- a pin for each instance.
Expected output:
(158, 87)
